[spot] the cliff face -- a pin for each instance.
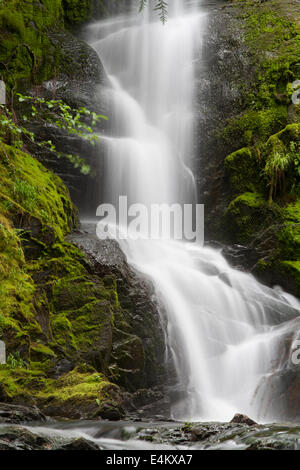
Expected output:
(249, 137)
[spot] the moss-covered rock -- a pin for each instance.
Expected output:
(28, 52)
(81, 393)
(77, 11)
(35, 208)
(51, 309)
(243, 168)
(246, 215)
(57, 310)
(34, 197)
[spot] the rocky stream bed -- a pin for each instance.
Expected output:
(24, 428)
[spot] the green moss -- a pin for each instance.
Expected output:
(28, 190)
(58, 261)
(77, 11)
(243, 167)
(12, 22)
(283, 138)
(82, 389)
(254, 126)
(290, 270)
(22, 384)
(25, 47)
(76, 385)
(273, 38)
(16, 289)
(63, 333)
(295, 267)
(27, 52)
(40, 352)
(289, 233)
(246, 215)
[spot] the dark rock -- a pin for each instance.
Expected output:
(3, 395)
(16, 414)
(243, 419)
(137, 338)
(68, 411)
(223, 62)
(201, 433)
(63, 367)
(79, 444)
(110, 411)
(18, 438)
(283, 390)
(149, 403)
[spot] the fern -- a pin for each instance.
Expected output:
(276, 167)
(161, 6)
(143, 4)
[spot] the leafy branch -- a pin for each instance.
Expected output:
(79, 122)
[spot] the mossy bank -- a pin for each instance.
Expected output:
(70, 341)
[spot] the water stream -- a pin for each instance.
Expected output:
(225, 330)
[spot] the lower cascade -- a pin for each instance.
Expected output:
(228, 336)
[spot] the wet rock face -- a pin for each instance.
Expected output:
(18, 438)
(137, 355)
(79, 444)
(283, 399)
(16, 414)
(243, 419)
(223, 62)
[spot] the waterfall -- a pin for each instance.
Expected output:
(225, 330)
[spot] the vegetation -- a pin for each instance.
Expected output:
(54, 112)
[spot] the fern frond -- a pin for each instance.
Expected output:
(161, 7)
(142, 6)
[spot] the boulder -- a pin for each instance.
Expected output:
(79, 445)
(16, 414)
(243, 419)
(18, 438)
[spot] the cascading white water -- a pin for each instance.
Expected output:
(225, 330)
